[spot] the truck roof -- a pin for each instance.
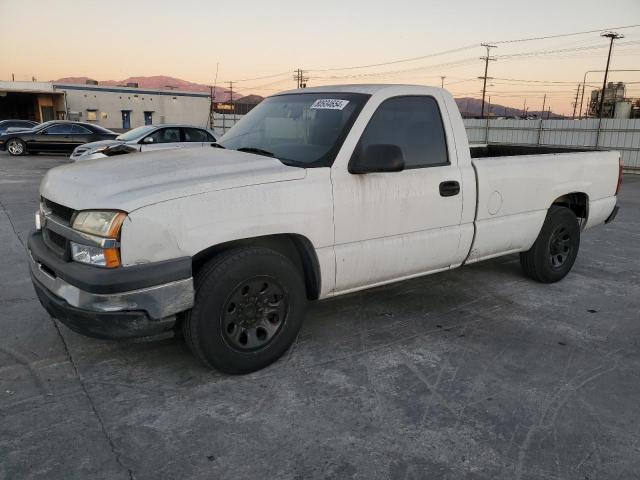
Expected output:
(369, 88)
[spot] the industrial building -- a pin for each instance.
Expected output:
(616, 103)
(117, 108)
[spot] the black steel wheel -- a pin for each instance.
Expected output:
(248, 310)
(555, 250)
(560, 247)
(254, 313)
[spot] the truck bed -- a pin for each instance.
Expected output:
(517, 185)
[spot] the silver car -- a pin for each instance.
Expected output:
(144, 139)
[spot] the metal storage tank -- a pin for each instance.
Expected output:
(622, 110)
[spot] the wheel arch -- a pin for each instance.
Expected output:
(295, 247)
(577, 202)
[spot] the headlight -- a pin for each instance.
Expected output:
(106, 224)
(100, 257)
(101, 223)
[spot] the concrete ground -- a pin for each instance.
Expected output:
(476, 373)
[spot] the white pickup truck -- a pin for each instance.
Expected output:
(315, 193)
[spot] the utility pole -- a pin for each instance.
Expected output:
(611, 36)
(544, 101)
(484, 78)
(524, 108)
(581, 100)
(575, 103)
(211, 107)
(442, 81)
(13, 77)
(231, 93)
(300, 78)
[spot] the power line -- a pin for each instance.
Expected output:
(395, 72)
(264, 77)
(445, 52)
(393, 62)
(530, 39)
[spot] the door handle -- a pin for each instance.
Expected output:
(449, 188)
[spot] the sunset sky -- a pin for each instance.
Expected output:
(249, 39)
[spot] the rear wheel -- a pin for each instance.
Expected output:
(16, 147)
(248, 310)
(555, 250)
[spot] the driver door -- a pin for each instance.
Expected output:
(57, 138)
(394, 225)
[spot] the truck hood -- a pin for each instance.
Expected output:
(129, 182)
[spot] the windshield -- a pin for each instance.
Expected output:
(300, 129)
(136, 133)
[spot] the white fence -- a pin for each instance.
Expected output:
(608, 134)
(224, 121)
(605, 134)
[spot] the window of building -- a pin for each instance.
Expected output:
(415, 125)
(92, 115)
(148, 118)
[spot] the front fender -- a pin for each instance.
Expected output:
(191, 224)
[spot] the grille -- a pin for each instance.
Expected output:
(65, 213)
(56, 243)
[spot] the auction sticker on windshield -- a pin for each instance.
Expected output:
(329, 104)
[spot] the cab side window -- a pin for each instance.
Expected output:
(414, 124)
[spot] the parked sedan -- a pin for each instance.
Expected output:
(14, 125)
(56, 136)
(147, 138)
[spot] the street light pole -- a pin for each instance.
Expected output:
(611, 36)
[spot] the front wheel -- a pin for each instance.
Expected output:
(16, 147)
(555, 250)
(248, 310)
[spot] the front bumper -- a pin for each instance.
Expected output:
(127, 302)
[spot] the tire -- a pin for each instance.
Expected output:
(555, 250)
(16, 147)
(248, 310)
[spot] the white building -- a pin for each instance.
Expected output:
(114, 107)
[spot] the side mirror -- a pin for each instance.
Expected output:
(377, 158)
(147, 140)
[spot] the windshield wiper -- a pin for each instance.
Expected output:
(257, 151)
(217, 145)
